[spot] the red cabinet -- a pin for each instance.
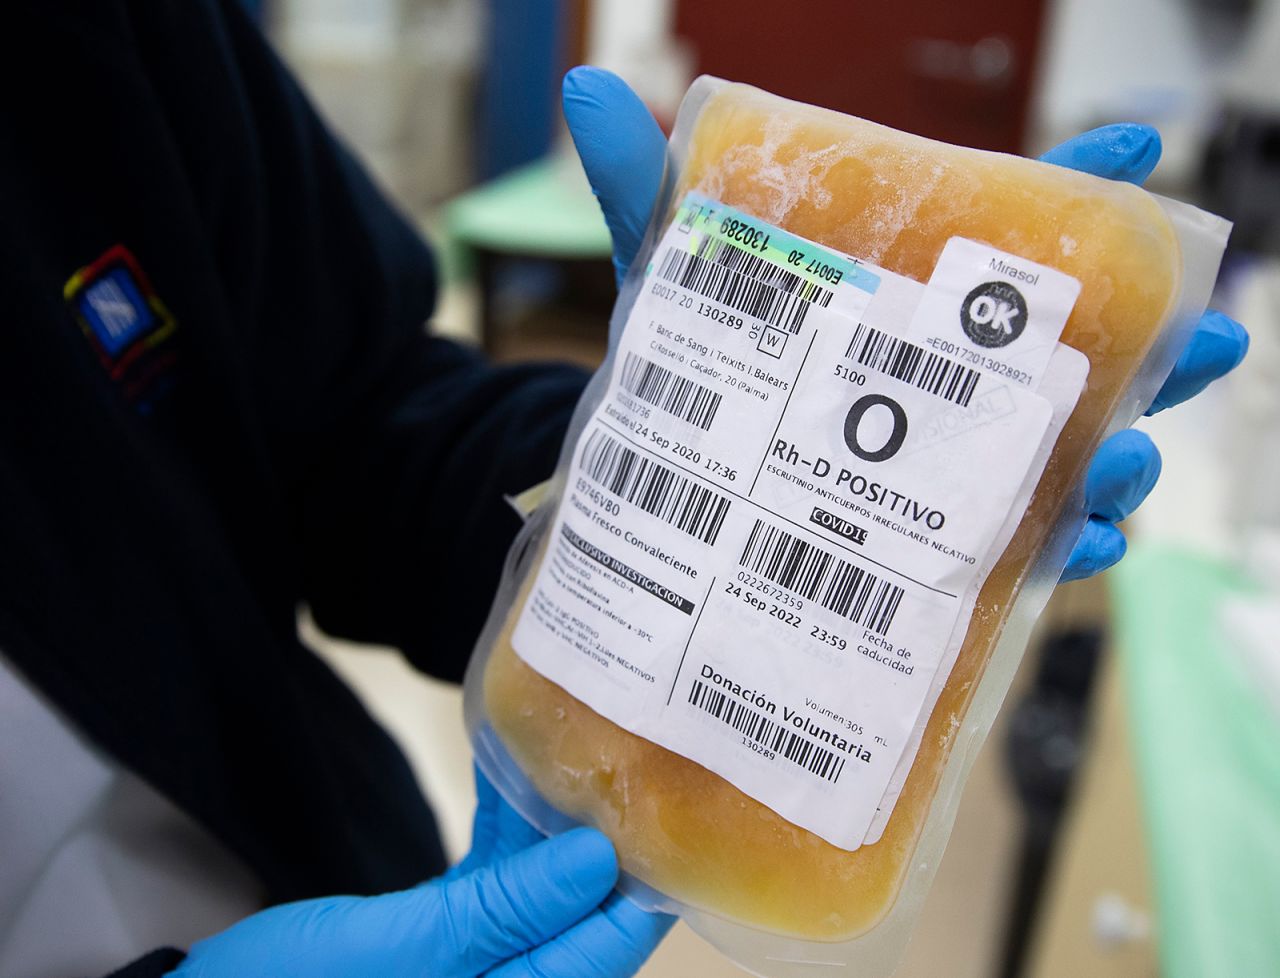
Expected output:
(958, 71)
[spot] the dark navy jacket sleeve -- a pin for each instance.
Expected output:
(275, 428)
(400, 446)
(154, 965)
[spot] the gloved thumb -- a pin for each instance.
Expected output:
(1126, 151)
(522, 901)
(622, 151)
(455, 929)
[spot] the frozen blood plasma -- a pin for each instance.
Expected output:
(895, 200)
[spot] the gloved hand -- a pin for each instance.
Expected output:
(518, 906)
(623, 152)
(1127, 464)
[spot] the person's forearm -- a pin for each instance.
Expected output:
(405, 526)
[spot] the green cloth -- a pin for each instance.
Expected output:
(544, 209)
(1208, 757)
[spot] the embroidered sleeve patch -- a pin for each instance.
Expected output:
(126, 323)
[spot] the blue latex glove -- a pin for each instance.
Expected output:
(623, 152)
(519, 906)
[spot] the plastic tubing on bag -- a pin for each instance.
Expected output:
(809, 508)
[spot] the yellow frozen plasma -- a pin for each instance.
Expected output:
(894, 200)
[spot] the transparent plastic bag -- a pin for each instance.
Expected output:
(782, 224)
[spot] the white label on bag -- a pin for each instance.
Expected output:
(776, 518)
(994, 311)
(1064, 378)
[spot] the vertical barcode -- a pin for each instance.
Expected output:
(656, 489)
(666, 389)
(746, 282)
(754, 725)
(912, 364)
(813, 573)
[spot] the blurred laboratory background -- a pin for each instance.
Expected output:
(1124, 817)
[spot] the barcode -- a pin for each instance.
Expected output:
(658, 490)
(746, 282)
(754, 725)
(665, 389)
(912, 364)
(817, 575)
